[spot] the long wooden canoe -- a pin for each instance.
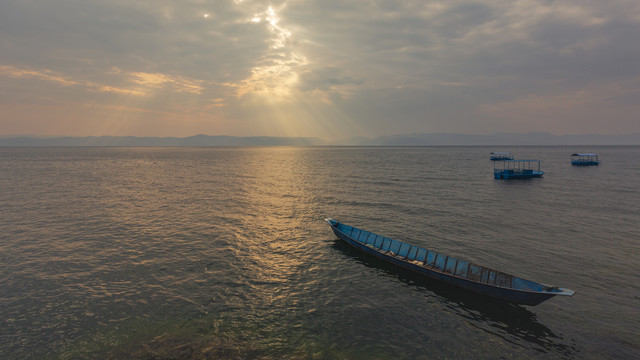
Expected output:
(448, 269)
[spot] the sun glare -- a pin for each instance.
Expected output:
(273, 87)
(275, 78)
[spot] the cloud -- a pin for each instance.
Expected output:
(43, 74)
(594, 96)
(327, 83)
(111, 89)
(142, 82)
(175, 83)
(595, 105)
(407, 66)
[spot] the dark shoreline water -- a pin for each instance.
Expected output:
(222, 253)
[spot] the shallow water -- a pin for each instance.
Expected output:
(222, 253)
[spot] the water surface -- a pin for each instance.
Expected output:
(222, 253)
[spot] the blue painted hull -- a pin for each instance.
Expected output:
(524, 175)
(475, 278)
(518, 169)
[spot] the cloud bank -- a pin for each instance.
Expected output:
(330, 69)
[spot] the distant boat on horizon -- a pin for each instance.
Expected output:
(581, 159)
(498, 156)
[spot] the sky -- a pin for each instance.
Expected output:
(331, 69)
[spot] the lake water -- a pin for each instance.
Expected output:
(189, 253)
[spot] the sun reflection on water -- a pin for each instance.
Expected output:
(274, 223)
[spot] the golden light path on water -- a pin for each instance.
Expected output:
(273, 226)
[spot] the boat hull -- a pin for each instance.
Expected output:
(525, 175)
(506, 294)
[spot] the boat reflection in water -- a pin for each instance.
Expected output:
(503, 319)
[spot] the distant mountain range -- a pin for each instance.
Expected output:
(126, 141)
(432, 139)
(512, 139)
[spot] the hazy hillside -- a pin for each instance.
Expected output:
(433, 139)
